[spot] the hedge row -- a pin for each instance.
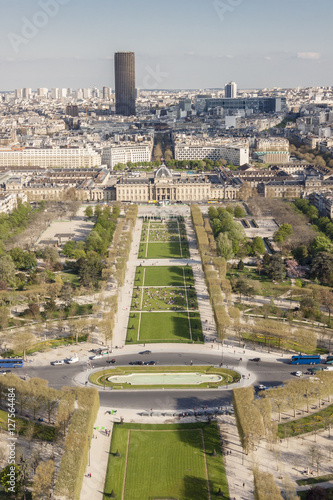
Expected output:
(214, 268)
(74, 460)
(265, 486)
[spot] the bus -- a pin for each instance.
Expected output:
(212, 201)
(11, 363)
(329, 360)
(306, 359)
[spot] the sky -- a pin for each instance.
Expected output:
(181, 44)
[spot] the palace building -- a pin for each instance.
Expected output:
(165, 186)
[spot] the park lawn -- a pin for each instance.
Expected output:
(280, 343)
(168, 250)
(43, 432)
(171, 326)
(133, 327)
(314, 480)
(267, 288)
(164, 327)
(303, 494)
(196, 327)
(166, 461)
(71, 278)
(155, 303)
(164, 276)
(307, 424)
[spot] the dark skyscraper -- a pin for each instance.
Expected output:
(124, 67)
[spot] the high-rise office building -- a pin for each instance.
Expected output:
(231, 90)
(107, 91)
(124, 66)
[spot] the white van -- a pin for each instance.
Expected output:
(328, 368)
(73, 359)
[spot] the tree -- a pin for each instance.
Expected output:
(7, 269)
(242, 286)
(276, 268)
(43, 480)
(224, 246)
(322, 267)
(23, 341)
(239, 212)
(283, 233)
(5, 479)
(258, 245)
(89, 212)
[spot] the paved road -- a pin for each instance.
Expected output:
(270, 371)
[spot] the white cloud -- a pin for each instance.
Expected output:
(268, 58)
(308, 55)
(189, 54)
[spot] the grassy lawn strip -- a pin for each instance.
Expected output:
(303, 494)
(280, 343)
(43, 432)
(164, 327)
(100, 377)
(314, 480)
(176, 472)
(164, 276)
(306, 424)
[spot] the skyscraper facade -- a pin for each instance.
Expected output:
(124, 66)
(231, 90)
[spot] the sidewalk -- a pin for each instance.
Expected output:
(93, 487)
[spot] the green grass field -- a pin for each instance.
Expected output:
(168, 250)
(164, 276)
(153, 324)
(164, 327)
(165, 461)
(163, 241)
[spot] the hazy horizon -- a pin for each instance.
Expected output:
(182, 45)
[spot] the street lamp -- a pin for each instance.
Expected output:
(89, 450)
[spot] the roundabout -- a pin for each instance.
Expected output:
(175, 377)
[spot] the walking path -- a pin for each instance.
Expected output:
(93, 487)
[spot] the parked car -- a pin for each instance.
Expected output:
(256, 359)
(58, 362)
(136, 362)
(145, 352)
(298, 374)
(262, 387)
(150, 363)
(111, 361)
(97, 356)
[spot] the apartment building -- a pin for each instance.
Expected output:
(50, 157)
(237, 155)
(124, 153)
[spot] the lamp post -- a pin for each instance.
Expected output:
(89, 450)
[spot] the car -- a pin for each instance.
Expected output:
(298, 374)
(262, 387)
(97, 356)
(111, 361)
(136, 362)
(145, 352)
(256, 359)
(150, 363)
(73, 359)
(3, 372)
(58, 362)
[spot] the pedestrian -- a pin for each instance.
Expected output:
(243, 485)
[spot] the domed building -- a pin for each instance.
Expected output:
(168, 186)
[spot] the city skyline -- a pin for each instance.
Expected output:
(189, 45)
